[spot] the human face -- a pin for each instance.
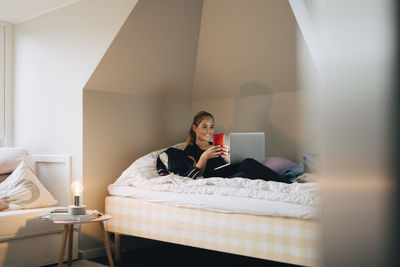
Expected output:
(205, 130)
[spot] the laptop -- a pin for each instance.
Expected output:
(246, 145)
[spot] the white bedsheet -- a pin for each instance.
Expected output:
(239, 195)
(296, 193)
(219, 203)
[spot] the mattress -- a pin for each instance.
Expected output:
(17, 224)
(220, 203)
(267, 237)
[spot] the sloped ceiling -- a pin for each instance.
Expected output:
(154, 53)
(15, 11)
(306, 12)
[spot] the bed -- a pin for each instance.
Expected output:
(266, 228)
(26, 240)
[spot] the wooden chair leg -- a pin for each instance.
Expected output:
(63, 243)
(117, 247)
(107, 244)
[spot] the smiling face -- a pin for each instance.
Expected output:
(205, 130)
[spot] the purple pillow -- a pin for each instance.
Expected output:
(279, 164)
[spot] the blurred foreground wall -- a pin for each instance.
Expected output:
(356, 119)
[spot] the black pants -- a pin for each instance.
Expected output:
(248, 168)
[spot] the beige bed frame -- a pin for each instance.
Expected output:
(287, 240)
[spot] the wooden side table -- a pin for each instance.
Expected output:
(69, 232)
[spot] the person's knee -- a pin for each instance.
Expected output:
(248, 161)
(247, 164)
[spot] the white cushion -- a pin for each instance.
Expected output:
(10, 158)
(23, 190)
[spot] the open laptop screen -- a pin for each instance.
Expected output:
(247, 145)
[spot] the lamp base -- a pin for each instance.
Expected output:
(77, 210)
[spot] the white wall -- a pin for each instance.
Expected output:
(55, 55)
(2, 79)
(6, 80)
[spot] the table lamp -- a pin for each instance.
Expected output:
(77, 208)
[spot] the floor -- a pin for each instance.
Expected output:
(167, 254)
(83, 263)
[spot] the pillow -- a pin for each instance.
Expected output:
(3, 205)
(10, 158)
(23, 190)
(144, 167)
(278, 164)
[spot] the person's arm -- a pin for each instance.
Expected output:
(211, 152)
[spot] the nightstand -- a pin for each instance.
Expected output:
(69, 231)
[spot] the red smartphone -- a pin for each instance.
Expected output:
(219, 139)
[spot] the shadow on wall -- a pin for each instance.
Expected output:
(254, 88)
(255, 110)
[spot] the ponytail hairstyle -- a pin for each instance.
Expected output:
(191, 138)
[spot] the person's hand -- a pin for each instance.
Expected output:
(212, 152)
(225, 154)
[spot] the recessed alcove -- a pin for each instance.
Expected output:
(236, 59)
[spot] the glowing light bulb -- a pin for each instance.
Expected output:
(77, 189)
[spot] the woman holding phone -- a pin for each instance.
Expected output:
(207, 157)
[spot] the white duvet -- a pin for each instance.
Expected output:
(229, 195)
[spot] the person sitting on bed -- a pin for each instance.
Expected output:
(207, 157)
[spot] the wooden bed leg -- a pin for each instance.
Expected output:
(117, 247)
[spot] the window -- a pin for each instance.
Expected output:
(2, 81)
(5, 84)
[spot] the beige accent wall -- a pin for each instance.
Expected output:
(247, 47)
(274, 114)
(247, 69)
(139, 97)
